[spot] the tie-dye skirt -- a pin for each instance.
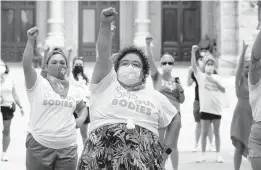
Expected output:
(114, 147)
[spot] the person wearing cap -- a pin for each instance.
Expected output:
(242, 117)
(196, 105)
(254, 85)
(170, 87)
(210, 95)
(51, 141)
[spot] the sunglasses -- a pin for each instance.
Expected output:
(165, 63)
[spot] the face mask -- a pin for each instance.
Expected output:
(202, 53)
(57, 71)
(78, 69)
(129, 75)
(209, 69)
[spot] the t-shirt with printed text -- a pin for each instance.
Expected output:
(209, 95)
(110, 103)
(52, 123)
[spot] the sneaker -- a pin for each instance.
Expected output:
(4, 158)
(195, 149)
(201, 159)
(219, 159)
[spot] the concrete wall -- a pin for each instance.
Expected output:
(41, 20)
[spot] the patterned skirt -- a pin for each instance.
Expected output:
(114, 147)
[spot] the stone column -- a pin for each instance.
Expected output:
(55, 36)
(228, 37)
(142, 23)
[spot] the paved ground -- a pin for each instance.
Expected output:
(16, 150)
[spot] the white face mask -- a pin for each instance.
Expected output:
(202, 53)
(209, 69)
(2, 70)
(129, 75)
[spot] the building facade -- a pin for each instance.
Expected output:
(175, 26)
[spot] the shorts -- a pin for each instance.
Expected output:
(87, 120)
(196, 111)
(7, 112)
(209, 116)
(254, 143)
(39, 157)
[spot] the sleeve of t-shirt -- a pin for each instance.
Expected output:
(104, 83)
(155, 78)
(167, 111)
(198, 75)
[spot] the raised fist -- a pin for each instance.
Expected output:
(46, 47)
(194, 48)
(32, 33)
(245, 46)
(70, 49)
(149, 40)
(108, 15)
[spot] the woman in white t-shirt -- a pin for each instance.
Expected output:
(254, 143)
(51, 142)
(125, 115)
(80, 81)
(8, 107)
(210, 91)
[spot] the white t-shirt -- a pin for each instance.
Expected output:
(6, 91)
(81, 90)
(255, 100)
(52, 123)
(110, 103)
(210, 96)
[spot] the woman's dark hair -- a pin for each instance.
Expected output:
(56, 51)
(84, 76)
(133, 50)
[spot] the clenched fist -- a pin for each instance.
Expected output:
(108, 15)
(149, 40)
(194, 48)
(32, 33)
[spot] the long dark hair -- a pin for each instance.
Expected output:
(84, 76)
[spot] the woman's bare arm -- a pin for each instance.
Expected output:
(240, 69)
(172, 132)
(153, 67)
(193, 58)
(29, 71)
(255, 72)
(103, 63)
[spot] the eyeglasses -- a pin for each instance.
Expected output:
(165, 63)
(134, 64)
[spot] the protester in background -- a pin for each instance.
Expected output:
(79, 81)
(242, 118)
(196, 105)
(125, 116)
(52, 139)
(170, 87)
(210, 93)
(254, 143)
(9, 99)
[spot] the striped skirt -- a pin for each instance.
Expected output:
(114, 147)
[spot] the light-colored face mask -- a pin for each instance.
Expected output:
(129, 75)
(209, 69)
